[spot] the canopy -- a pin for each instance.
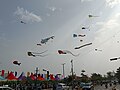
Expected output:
(40, 78)
(11, 76)
(22, 76)
(2, 78)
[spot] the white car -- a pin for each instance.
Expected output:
(5, 88)
(87, 86)
(62, 86)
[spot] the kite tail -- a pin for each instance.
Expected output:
(42, 55)
(83, 46)
(40, 52)
(73, 54)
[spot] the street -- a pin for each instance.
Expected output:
(99, 87)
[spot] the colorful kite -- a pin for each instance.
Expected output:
(34, 54)
(66, 52)
(83, 46)
(44, 41)
(16, 62)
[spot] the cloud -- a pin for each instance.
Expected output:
(27, 16)
(52, 8)
(112, 3)
(113, 22)
(109, 28)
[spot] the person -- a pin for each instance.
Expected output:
(110, 84)
(54, 86)
(114, 82)
(101, 83)
(114, 88)
(106, 86)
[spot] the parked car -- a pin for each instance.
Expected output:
(5, 88)
(87, 86)
(62, 86)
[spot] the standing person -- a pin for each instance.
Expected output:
(106, 85)
(110, 84)
(114, 88)
(54, 86)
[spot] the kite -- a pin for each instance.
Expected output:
(39, 44)
(83, 28)
(22, 22)
(44, 70)
(66, 52)
(75, 35)
(16, 62)
(112, 59)
(90, 16)
(34, 54)
(83, 46)
(44, 41)
(97, 49)
(81, 40)
(80, 35)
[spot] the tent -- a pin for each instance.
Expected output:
(40, 78)
(2, 78)
(11, 76)
(32, 76)
(22, 76)
(52, 77)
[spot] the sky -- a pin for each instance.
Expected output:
(62, 19)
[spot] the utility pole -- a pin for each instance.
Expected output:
(63, 70)
(72, 67)
(36, 74)
(36, 71)
(72, 73)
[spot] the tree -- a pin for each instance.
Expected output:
(96, 77)
(82, 73)
(118, 74)
(110, 75)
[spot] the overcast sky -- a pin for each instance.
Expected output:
(61, 18)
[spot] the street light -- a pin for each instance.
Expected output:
(47, 73)
(36, 71)
(36, 74)
(44, 70)
(63, 70)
